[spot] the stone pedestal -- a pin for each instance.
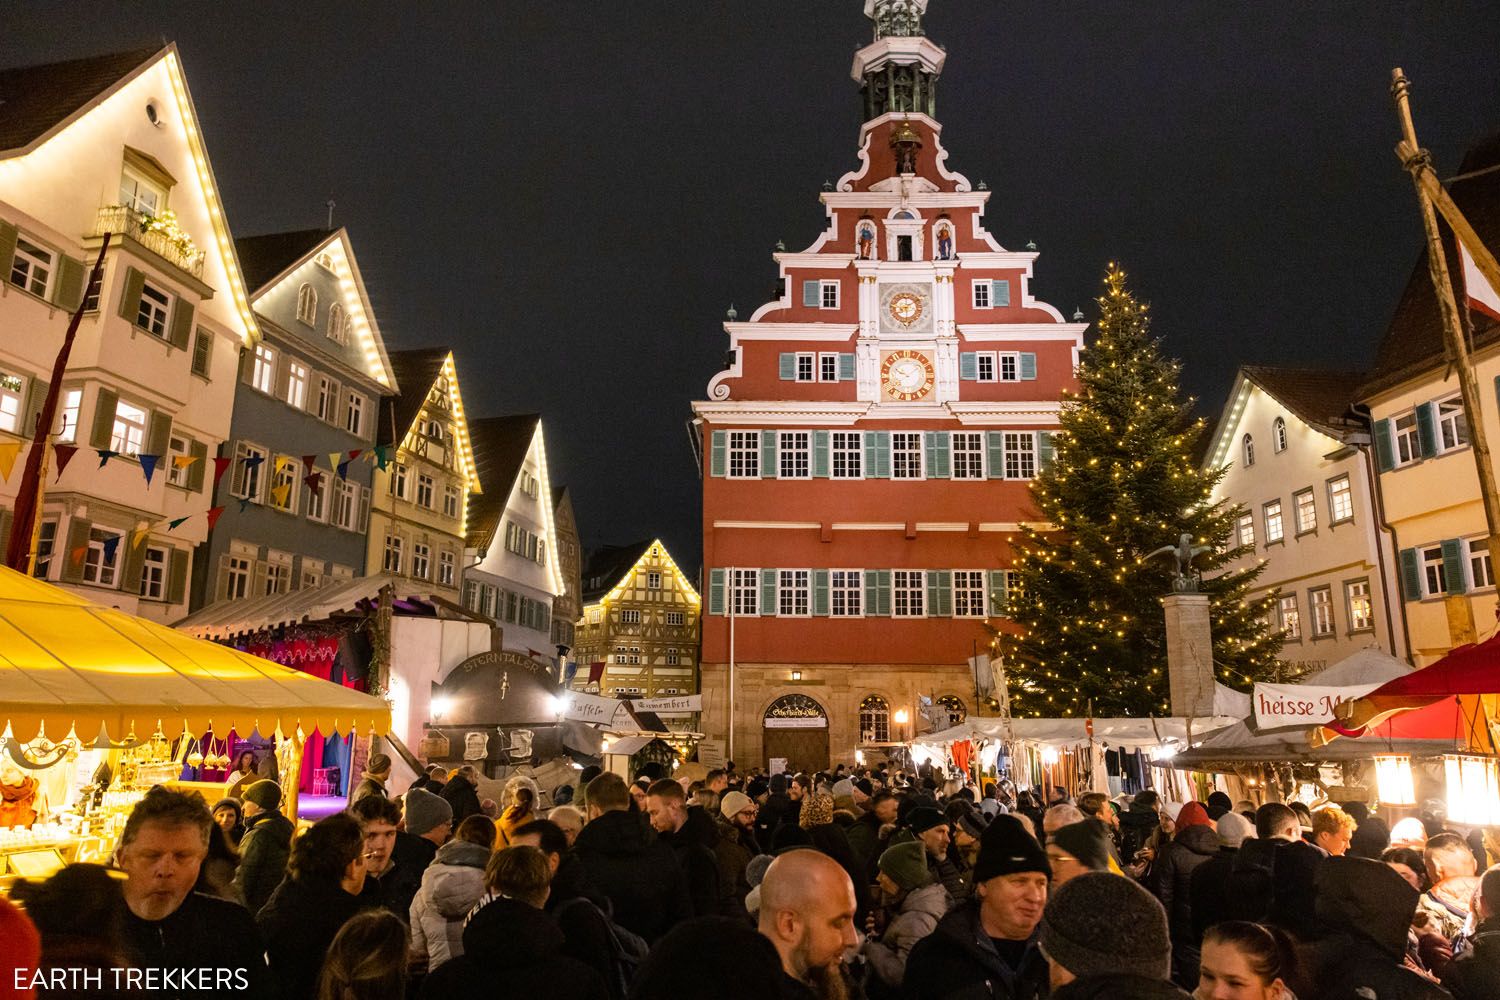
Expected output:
(1190, 654)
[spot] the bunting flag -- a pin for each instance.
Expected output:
(64, 454)
(355, 453)
(1477, 291)
(105, 455)
(148, 466)
(220, 465)
(111, 546)
(77, 554)
(279, 494)
(596, 671)
(252, 461)
(183, 461)
(175, 523)
(138, 536)
(213, 516)
(307, 462)
(334, 458)
(382, 456)
(244, 502)
(8, 452)
(314, 483)
(343, 469)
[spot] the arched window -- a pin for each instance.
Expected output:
(1278, 434)
(307, 304)
(337, 324)
(955, 707)
(1249, 446)
(874, 720)
(325, 261)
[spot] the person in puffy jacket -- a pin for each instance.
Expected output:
(1194, 844)
(451, 886)
(265, 847)
(915, 900)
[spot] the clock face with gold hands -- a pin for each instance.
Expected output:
(906, 308)
(906, 376)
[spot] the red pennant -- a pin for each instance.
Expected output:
(213, 516)
(355, 453)
(307, 463)
(220, 465)
(64, 454)
(78, 553)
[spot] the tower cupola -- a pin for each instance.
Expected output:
(898, 71)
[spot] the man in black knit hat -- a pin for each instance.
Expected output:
(988, 947)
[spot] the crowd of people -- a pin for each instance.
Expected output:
(879, 883)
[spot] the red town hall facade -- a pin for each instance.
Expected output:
(868, 450)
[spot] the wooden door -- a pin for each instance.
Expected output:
(804, 749)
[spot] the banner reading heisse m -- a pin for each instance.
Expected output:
(1281, 705)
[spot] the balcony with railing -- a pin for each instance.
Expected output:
(159, 233)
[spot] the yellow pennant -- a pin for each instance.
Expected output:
(279, 494)
(138, 536)
(183, 461)
(8, 452)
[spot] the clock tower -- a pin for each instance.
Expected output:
(868, 450)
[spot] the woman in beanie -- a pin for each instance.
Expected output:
(1105, 938)
(829, 837)
(913, 903)
(372, 780)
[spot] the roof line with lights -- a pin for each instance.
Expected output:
(619, 585)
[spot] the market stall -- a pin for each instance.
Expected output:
(98, 705)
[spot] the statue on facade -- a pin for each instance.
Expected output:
(1186, 581)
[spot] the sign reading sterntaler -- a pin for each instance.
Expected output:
(1280, 705)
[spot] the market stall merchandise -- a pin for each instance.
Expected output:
(98, 705)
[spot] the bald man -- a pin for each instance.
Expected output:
(807, 911)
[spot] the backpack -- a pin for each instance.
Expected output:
(627, 950)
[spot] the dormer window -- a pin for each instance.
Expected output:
(325, 261)
(307, 304)
(140, 194)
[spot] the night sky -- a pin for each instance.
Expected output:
(571, 193)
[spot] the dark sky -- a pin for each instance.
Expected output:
(570, 193)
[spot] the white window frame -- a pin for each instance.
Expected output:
(1478, 564)
(1452, 425)
(153, 310)
(297, 377)
(238, 569)
(1020, 454)
(676, 619)
(1434, 572)
(447, 565)
(653, 580)
(846, 455)
(354, 413)
(139, 194)
(317, 508)
(793, 593)
(307, 304)
(263, 369)
(630, 616)
(153, 581)
(1359, 605)
(828, 367)
(846, 593)
(1320, 610)
(1244, 531)
(393, 554)
(1247, 448)
(178, 446)
(1274, 520)
(128, 430)
(421, 560)
(426, 491)
(794, 455)
(828, 295)
(284, 474)
(744, 447)
(1406, 441)
(971, 597)
(451, 503)
(72, 413)
(345, 511)
(252, 476)
(34, 267)
(12, 403)
(980, 295)
(96, 570)
(967, 451)
(1305, 509)
(400, 480)
(1278, 435)
(908, 593)
(907, 446)
(1008, 366)
(806, 367)
(744, 591)
(278, 574)
(1290, 617)
(326, 401)
(986, 366)
(1340, 500)
(338, 325)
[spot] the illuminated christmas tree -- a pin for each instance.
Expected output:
(1084, 600)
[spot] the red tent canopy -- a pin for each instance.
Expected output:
(1427, 699)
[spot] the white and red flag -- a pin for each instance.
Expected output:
(1481, 295)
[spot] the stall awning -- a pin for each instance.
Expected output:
(1466, 672)
(67, 663)
(310, 604)
(1131, 734)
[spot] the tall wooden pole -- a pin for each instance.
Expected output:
(1417, 162)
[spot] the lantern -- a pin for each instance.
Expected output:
(1473, 789)
(1393, 781)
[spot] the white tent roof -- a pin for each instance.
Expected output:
(1134, 734)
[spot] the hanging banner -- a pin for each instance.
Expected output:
(1278, 705)
(670, 704)
(581, 707)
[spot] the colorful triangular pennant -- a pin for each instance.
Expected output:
(105, 455)
(64, 454)
(183, 461)
(220, 465)
(213, 516)
(148, 466)
(343, 469)
(111, 546)
(280, 494)
(334, 458)
(175, 523)
(307, 462)
(314, 483)
(8, 452)
(138, 536)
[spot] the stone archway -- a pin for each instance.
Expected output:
(795, 727)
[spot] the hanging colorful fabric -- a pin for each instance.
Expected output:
(138, 536)
(148, 465)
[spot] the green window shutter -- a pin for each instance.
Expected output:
(104, 418)
(132, 558)
(67, 291)
(199, 450)
(1045, 450)
(130, 294)
(8, 234)
(180, 328)
(940, 592)
(872, 591)
(6, 520)
(870, 471)
(883, 454)
(78, 537)
(1411, 575)
(177, 572)
(938, 455)
(158, 433)
(812, 294)
(1453, 566)
(820, 591)
(968, 366)
(36, 395)
(1028, 366)
(1385, 444)
(768, 454)
(787, 366)
(883, 592)
(768, 591)
(999, 293)
(718, 462)
(994, 443)
(820, 441)
(1427, 429)
(846, 367)
(716, 580)
(996, 583)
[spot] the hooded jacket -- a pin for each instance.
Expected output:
(264, 851)
(732, 854)
(1191, 847)
(1136, 827)
(1365, 908)
(463, 797)
(451, 886)
(623, 861)
(299, 923)
(916, 917)
(1118, 988)
(693, 846)
(512, 949)
(958, 960)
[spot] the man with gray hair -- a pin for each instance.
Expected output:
(1058, 816)
(807, 908)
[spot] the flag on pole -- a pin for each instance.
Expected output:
(984, 675)
(64, 454)
(148, 466)
(220, 466)
(8, 452)
(596, 671)
(1481, 295)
